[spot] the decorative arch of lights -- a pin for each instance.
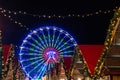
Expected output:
(42, 48)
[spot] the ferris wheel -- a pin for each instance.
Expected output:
(42, 48)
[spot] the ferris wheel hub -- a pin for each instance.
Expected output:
(51, 54)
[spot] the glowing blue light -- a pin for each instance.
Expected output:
(41, 41)
(51, 54)
(66, 34)
(41, 29)
(47, 28)
(21, 47)
(75, 44)
(29, 35)
(34, 31)
(54, 28)
(49, 38)
(21, 61)
(24, 41)
(45, 40)
(34, 57)
(27, 74)
(71, 39)
(61, 30)
(21, 54)
(57, 40)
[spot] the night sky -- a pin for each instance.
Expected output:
(88, 30)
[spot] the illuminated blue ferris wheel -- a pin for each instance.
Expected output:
(44, 47)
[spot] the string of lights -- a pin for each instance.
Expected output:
(59, 16)
(8, 13)
(3, 12)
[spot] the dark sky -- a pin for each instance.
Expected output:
(88, 30)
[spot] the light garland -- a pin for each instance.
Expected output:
(77, 54)
(12, 20)
(10, 61)
(108, 41)
(8, 13)
(1, 64)
(86, 69)
(1, 58)
(59, 16)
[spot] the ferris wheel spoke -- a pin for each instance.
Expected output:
(57, 39)
(31, 59)
(53, 37)
(43, 43)
(64, 52)
(66, 48)
(45, 39)
(35, 66)
(30, 49)
(42, 61)
(49, 38)
(33, 45)
(65, 43)
(60, 42)
(36, 42)
(26, 54)
(49, 67)
(67, 53)
(42, 70)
